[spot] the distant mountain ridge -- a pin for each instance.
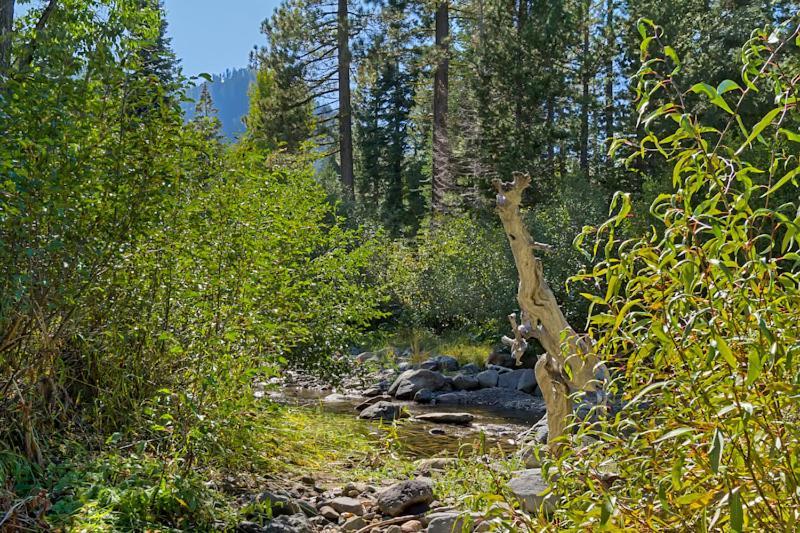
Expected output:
(229, 91)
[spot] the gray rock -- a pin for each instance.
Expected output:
(423, 396)
(279, 504)
(496, 397)
(329, 513)
(539, 430)
(394, 500)
(394, 529)
(488, 378)
(430, 364)
(248, 527)
(446, 418)
(383, 411)
(402, 367)
(509, 380)
(368, 356)
(470, 369)
(373, 391)
(527, 380)
(466, 382)
(448, 522)
(447, 363)
(425, 466)
(373, 400)
(296, 523)
(354, 524)
(344, 504)
(531, 490)
(499, 369)
(437, 431)
(410, 382)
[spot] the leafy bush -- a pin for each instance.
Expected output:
(700, 315)
(147, 278)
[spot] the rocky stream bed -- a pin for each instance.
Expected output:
(439, 407)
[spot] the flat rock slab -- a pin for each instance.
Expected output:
(496, 397)
(345, 504)
(394, 500)
(462, 419)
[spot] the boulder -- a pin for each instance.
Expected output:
(430, 364)
(373, 400)
(466, 382)
(488, 378)
(345, 504)
(527, 381)
(423, 396)
(470, 369)
(279, 504)
(446, 418)
(531, 490)
(447, 363)
(394, 500)
(405, 365)
(446, 522)
(296, 523)
(394, 529)
(383, 411)
(523, 380)
(410, 382)
(496, 397)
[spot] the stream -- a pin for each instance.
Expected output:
(491, 428)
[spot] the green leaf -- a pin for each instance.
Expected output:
(674, 433)
(791, 135)
(781, 182)
(754, 367)
(761, 126)
(725, 351)
(737, 513)
(717, 445)
(727, 85)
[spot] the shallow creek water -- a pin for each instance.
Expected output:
(491, 427)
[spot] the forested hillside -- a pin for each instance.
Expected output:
(229, 95)
(464, 265)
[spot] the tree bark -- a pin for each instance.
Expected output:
(6, 27)
(584, 133)
(609, 81)
(345, 107)
(25, 59)
(541, 318)
(441, 178)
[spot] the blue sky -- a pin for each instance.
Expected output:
(213, 35)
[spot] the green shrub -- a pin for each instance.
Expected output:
(700, 315)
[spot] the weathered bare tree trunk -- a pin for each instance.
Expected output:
(345, 107)
(6, 26)
(441, 178)
(568, 365)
